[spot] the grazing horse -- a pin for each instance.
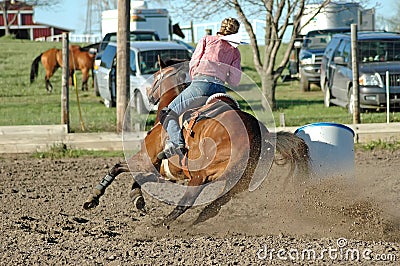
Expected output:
(80, 58)
(230, 147)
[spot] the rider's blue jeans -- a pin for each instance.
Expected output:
(195, 95)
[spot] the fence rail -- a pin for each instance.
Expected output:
(79, 38)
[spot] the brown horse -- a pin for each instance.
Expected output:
(232, 151)
(80, 58)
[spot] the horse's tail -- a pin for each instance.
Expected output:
(294, 150)
(35, 67)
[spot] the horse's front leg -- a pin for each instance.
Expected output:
(136, 194)
(93, 199)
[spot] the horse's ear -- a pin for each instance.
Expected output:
(178, 31)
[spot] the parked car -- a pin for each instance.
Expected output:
(378, 52)
(310, 55)
(136, 35)
(143, 64)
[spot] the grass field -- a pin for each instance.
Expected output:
(22, 103)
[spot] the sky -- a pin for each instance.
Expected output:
(71, 14)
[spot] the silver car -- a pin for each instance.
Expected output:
(143, 64)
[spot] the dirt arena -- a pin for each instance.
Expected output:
(332, 221)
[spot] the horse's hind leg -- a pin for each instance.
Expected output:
(192, 192)
(49, 74)
(85, 78)
(212, 209)
(49, 86)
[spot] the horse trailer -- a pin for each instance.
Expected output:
(141, 18)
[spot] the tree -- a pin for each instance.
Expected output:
(8, 19)
(279, 16)
(392, 23)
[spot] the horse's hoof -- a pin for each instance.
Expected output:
(139, 203)
(91, 203)
(137, 199)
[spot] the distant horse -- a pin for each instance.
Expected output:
(232, 147)
(80, 58)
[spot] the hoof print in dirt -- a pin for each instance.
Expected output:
(80, 220)
(160, 222)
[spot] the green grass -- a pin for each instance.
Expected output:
(23, 103)
(380, 145)
(63, 151)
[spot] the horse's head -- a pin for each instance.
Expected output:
(169, 81)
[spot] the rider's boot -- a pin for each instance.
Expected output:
(175, 144)
(172, 149)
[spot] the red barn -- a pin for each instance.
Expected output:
(21, 23)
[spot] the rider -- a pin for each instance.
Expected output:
(214, 62)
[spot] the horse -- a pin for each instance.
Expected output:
(232, 148)
(80, 58)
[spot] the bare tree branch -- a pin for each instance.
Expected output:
(279, 15)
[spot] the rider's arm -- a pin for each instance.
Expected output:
(197, 55)
(235, 70)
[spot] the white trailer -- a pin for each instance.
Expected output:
(337, 15)
(141, 18)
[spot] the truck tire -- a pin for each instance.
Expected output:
(304, 84)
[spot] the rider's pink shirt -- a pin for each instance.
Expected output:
(217, 58)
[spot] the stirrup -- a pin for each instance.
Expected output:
(179, 150)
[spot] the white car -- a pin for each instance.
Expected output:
(143, 64)
(135, 35)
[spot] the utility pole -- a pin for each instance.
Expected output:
(123, 58)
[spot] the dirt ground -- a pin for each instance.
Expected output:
(330, 221)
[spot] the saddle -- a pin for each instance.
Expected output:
(215, 105)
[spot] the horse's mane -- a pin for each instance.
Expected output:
(176, 69)
(171, 62)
